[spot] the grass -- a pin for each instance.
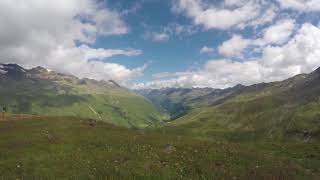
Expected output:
(72, 148)
(267, 116)
(93, 100)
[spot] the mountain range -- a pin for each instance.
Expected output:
(88, 129)
(277, 109)
(39, 91)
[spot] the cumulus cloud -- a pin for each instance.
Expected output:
(206, 50)
(239, 13)
(301, 54)
(48, 33)
(267, 16)
(215, 73)
(234, 46)
(235, 13)
(301, 5)
(276, 34)
(210, 16)
(279, 32)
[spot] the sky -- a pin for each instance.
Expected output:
(164, 43)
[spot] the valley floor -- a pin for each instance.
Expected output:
(70, 148)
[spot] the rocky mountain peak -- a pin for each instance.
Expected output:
(12, 71)
(40, 69)
(11, 67)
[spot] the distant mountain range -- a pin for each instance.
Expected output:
(277, 109)
(40, 91)
(179, 101)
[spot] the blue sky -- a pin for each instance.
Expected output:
(178, 53)
(181, 52)
(164, 43)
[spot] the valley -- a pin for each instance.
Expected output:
(60, 126)
(159, 89)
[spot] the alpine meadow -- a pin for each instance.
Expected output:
(160, 89)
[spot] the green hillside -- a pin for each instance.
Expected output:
(73, 148)
(263, 131)
(42, 92)
(289, 108)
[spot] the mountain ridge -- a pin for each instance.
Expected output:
(221, 94)
(275, 110)
(41, 91)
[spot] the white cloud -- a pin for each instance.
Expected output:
(301, 5)
(234, 46)
(265, 17)
(109, 22)
(206, 50)
(157, 36)
(215, 73)
(100, 53)
(44, 32)
(279, 33)
(276, 34)
(301, 54)
(234, 2)
(232, 13)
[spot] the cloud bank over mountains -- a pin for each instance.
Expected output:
(299, 55)
(58, 35)
(282, 47)
(267, 40)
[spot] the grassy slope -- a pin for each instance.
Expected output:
(282, 109)
(275, 123)
(70, 148)
(121, 109)
(91, 99)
